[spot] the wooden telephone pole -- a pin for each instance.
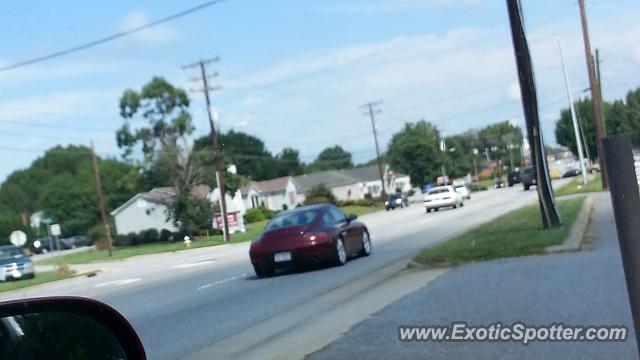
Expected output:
(217, 158)
(103, 211)
(371, 113)
(595, 95)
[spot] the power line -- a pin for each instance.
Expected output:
(111, 37)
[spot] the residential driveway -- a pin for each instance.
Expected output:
(585, 288)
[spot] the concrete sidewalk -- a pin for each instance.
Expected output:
(583, 288)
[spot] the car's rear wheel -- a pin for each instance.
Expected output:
(341, 253)
(263, 270)
(366, 244)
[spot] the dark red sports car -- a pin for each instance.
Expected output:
(308, 235)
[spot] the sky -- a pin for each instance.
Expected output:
(295, 72)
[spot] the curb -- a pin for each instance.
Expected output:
(573, 242)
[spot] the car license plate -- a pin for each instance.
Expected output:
(281, 257)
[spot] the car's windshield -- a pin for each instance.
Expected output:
(324, 179)
(10, 253)
(296, 218)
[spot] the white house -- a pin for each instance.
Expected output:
(274, 194)
(149, 210)
(353, 184)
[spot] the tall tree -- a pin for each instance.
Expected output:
(289, 163)
(332, 158)
(415, 150)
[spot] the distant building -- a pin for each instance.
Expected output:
(149, 210)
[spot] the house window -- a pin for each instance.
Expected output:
(349, 194)
(254, 201)
(374, 189)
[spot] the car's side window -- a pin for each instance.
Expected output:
(327, 218)
(338, 216)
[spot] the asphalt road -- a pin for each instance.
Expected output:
(581, 288)
(212, 305)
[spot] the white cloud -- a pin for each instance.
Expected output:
(161, 34)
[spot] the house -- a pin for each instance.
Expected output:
(274, 194)
(149, 210)
(353, 184)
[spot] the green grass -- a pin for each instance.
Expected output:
(576, 187)
(40, 278)
(517, 233)
(360, 210)
(120, 253)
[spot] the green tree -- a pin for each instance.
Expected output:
(61, 183)
(247, 152)
(332, 158)
(289, 163)
(414, 150)
(565, 135)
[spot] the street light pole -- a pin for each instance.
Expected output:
(574, 118)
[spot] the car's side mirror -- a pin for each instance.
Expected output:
(66, 328)
(351, 217)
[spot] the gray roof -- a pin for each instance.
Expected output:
(333, 178)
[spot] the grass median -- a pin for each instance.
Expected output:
(253, 230)
(576, 186)
(518, 233)
(40, 278)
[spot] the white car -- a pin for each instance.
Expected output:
(442, 196)
(463, 190)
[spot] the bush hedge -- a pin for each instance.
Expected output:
(258, 214)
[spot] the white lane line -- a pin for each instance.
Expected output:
(195, 264)
(118, 282)
(221, 281)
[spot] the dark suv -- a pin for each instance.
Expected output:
(528, 178)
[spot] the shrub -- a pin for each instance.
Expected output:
(317, 200)
(165, 235)
(149, 236)
(253, 215)
(321, 193)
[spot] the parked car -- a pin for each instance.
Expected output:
(74, 242)
(499, 184)
(442, 196)
(571, 173)
(14, 264)
(397, 200)
(308, 235)
(528, 178)
(42, 245)
(463, 190)
(513, 177)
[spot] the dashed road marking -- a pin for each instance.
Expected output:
(195, 264)
(118, 282)
(221, 281)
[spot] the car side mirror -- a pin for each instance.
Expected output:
(66, 328)
(351, 217)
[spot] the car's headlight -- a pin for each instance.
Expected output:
(398, 201)
(386, 203)
(37, 244)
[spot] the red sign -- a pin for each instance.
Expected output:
(232, 220)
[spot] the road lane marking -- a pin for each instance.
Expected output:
(221, 281)
(118, 282)
(195, 264)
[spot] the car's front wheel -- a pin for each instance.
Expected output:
(341, 253)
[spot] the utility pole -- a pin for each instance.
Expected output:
(103, 212)
(371, 113)
(574, 118)
(595, 95)
(214, 139)
(548, 209)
